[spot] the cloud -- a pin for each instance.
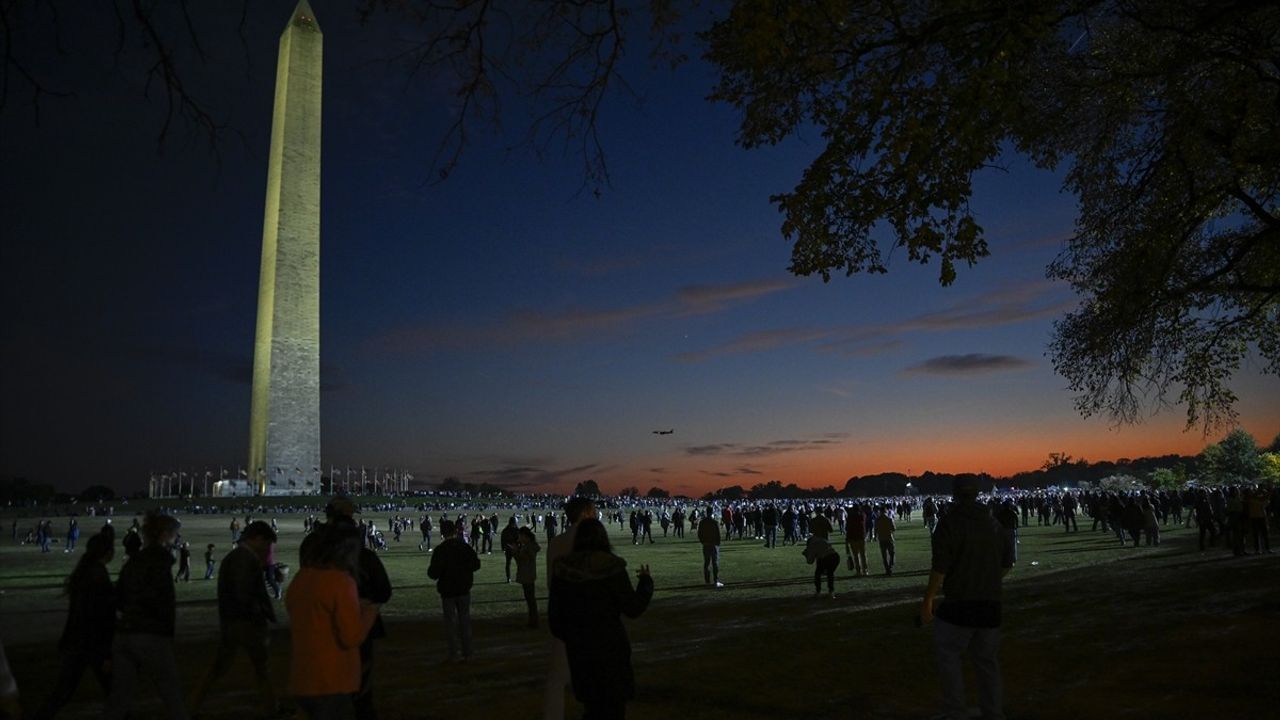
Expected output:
(1002, 306)
(775, 447)
(971, 364)
(573, 323)
(518, 475)
(700, 450)
(570, 323)
(703, 299)
(758, 341)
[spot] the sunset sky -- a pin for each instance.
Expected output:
(507, 325)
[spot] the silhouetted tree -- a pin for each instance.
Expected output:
(1162, 115)
(94, 493)
(587, 488)
(1235, 459)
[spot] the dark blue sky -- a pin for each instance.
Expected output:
(504, 325)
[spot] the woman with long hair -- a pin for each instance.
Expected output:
(590, 592)
(91, 624)
(328, 623)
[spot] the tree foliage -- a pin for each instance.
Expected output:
(1120, 484)
(587, 488)
(1174, 478)
(1269, 467)
(1163, 113)
(657, 493)
(1233, 460)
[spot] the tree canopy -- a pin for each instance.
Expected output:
(587, 488)
(1164, 114)
(1234, 460)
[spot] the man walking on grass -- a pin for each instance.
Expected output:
(245, 614)
(453, 567)
(709, 537)
(970, 559)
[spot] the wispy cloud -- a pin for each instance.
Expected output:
(571, 323)
(533, 475)
(775, 447)
(971, 364)
(703, 299)
(1003, 306)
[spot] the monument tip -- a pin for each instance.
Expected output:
(304, 16)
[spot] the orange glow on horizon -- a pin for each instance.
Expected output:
(999, 453)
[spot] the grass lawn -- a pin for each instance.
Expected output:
(1091, 629)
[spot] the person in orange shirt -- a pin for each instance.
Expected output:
(328, 622)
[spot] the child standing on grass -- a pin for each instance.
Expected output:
(184, 563)
(453, 567)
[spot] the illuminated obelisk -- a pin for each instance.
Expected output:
(284, 422)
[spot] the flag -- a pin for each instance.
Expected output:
(279, 471)
(243, 473)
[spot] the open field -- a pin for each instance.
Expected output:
(1091, 629)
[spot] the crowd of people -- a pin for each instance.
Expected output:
(123, 632)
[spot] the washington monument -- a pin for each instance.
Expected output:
(284, 421)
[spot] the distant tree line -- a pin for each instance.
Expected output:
(455, 486)
(1237, 458)
(22, 491)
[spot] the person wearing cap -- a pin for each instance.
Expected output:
(245, 613)
(328, 622)
(373, 587)
(970, 559)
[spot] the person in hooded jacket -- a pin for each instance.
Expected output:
(590, 592)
